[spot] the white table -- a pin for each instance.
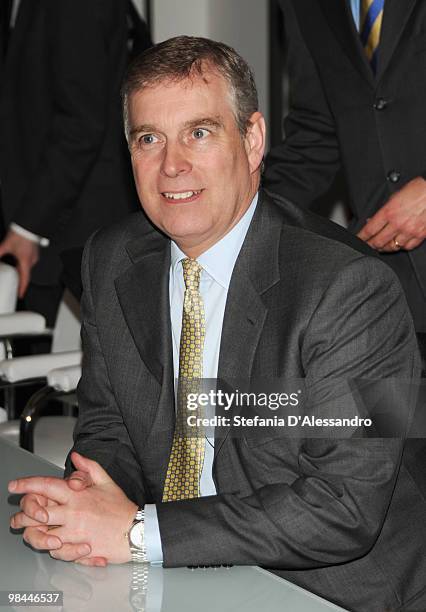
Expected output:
(115, 588)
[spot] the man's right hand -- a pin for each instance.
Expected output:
(32, 505)
(77, 524)
(26, 253)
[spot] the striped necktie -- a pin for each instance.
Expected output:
(187, 453)
(371, 24)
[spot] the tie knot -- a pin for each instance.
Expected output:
(191, 273)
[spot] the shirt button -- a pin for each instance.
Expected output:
(393, 176)
(380, 104)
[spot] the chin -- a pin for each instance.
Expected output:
(183, 227)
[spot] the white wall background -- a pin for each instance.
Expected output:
(174, 17)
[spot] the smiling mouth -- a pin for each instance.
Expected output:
(181, 196)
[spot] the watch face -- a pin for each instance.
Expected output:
(136, 535)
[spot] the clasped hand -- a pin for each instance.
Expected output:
(84, 518)
(401, 222)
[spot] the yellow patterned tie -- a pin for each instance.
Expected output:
(187, 454)
(371, 25)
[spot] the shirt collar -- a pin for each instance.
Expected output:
(219, 260)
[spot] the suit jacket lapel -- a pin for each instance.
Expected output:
(256, 270)
(395, 18)
(144, 298)
(339, 17)
(143, 293)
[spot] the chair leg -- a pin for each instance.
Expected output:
(9, 391)
(9, 402)
(31, 414)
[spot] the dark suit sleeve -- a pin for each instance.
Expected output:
(78, 75)
(334, 509)
(304, 165)
(105, 438)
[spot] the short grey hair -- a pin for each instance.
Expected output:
(183, 57)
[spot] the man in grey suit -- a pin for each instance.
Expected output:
(262, 292)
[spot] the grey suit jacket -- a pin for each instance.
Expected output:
(343, 518)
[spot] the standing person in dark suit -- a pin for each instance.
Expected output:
(64, 169)
(4, 35)
(230, 285)
(357, 73)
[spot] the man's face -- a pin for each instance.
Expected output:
(195, 174)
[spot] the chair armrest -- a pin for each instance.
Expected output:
(22, 323)
(9, 281)
(36, 366)
(64, 379)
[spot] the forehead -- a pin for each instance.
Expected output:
(177, 102)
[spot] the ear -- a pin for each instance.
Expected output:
(254, 140)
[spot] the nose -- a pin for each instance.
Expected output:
(175, 160)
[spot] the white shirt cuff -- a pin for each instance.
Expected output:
(43, 242)
(154, 550)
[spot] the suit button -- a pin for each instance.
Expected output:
(393, 176)
(380, 104)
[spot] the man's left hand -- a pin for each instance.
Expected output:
(89, 525)
(26, 253)
(401, 222)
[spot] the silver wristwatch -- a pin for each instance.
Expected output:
(136, 538)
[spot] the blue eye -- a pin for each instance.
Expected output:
(148, 139)
(200, 133)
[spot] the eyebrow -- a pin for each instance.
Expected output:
(215, 121)
(141, 128)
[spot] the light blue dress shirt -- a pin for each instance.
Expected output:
(356, 11)
(217, 266)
